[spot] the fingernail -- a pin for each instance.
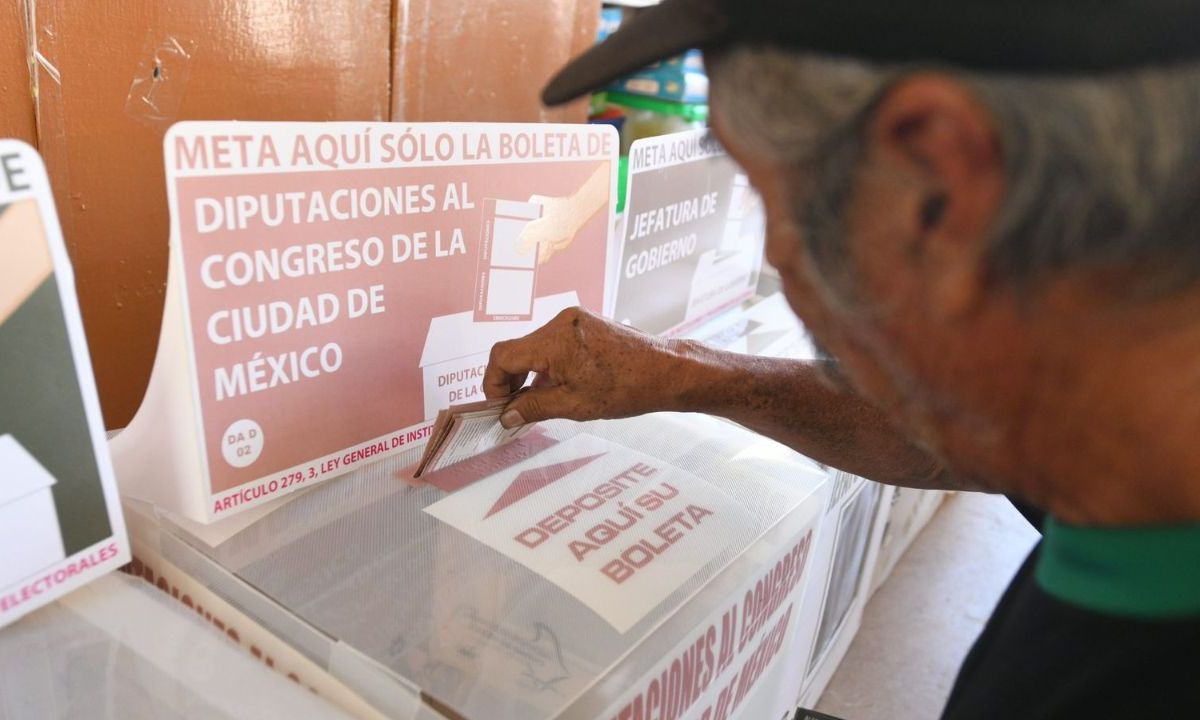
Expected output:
(511, 419)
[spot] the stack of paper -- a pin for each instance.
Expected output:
(462, 432)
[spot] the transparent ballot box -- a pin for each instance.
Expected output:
(118, 649)
(576, 572)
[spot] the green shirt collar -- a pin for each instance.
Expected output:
(1149, 572)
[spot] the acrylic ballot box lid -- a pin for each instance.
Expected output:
(360, 576)
(119, 649)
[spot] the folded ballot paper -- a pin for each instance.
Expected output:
(464, 431)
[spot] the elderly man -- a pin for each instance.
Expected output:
(987, 213)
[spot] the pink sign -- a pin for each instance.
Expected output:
(341, 283)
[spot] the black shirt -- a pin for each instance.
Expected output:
(1096, 624)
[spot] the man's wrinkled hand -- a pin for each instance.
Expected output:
(585, 368)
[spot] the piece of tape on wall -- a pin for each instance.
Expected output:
(158, 85)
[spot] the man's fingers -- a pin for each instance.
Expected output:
(508, 363)
(517, 381)
(511, 362)
(539, 404)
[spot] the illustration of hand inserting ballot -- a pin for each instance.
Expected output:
(518, 237)
(563, 217)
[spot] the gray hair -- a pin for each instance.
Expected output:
(1093, 163)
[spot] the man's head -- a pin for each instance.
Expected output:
(952, 237)
(981, 222)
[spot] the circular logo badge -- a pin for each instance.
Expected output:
(242, 443)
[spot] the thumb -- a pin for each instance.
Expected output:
(536, 404)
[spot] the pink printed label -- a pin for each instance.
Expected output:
(617, 529)
(333, 306)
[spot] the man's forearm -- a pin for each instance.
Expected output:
(590, 368)
(788, 401)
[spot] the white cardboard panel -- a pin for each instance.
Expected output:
(298, 284)
(60, 520)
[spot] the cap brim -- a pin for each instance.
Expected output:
(654, 34)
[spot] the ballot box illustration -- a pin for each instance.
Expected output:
(457, 347)
(28, 518)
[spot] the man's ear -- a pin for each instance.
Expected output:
(930, 127)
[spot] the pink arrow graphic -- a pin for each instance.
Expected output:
(530, 481)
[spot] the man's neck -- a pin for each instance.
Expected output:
(1114, 419)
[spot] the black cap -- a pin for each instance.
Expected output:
(1030, 36)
